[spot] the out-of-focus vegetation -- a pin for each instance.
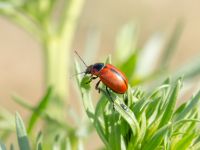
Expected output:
(151, 119)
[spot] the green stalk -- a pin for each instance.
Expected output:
(57, 49)
(53, 72)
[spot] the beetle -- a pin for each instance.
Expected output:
(109, 75)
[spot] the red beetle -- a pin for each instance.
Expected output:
(112, 77)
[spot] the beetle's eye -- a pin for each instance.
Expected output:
(98, 66)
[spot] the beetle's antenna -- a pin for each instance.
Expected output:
(81, 58)
(76, 74)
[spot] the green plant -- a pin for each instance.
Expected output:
(144, 120)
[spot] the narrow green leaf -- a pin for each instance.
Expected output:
(84, 83)
(102, 102)
(77, 70)
(39, 109)
(167, 141)
(158, 90)
(80, 144)
(2, 146)
(167, 81)
(56, 143)
(85, 93)
(106, 124)
(180, 109)
(127, 114)
(185, 125)
(157, 138)
(197, 140)
(184, 121)
(114, 136)
(143, 128)
(126, 41)
(189, 70)
(193, 102)
(171, 45)
(39, 141)
(68, 144)
(21, 133)
(108, 60)
(100, 131)
(152, 107)
(39, 146)
(98, 125)
(196, 146)
(130, 99)
(11, 147)
(129, 66)
(86, 96)
(92, 44)
(141, 104)
(185, 141)
(170, 105)
(149, 102)
(123, 144)
(7, 120)
(148, 57)
(22, 102)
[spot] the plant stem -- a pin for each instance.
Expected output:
(57, 49)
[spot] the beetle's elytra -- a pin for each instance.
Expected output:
(109, 75)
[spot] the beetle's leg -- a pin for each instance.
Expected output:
(110, 97)
(92, 78)
(109, 94)
(97, 86)
(125, 97)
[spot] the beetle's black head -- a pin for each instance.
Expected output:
(94, 69)
(89, 69)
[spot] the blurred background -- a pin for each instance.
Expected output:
(21, 57)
